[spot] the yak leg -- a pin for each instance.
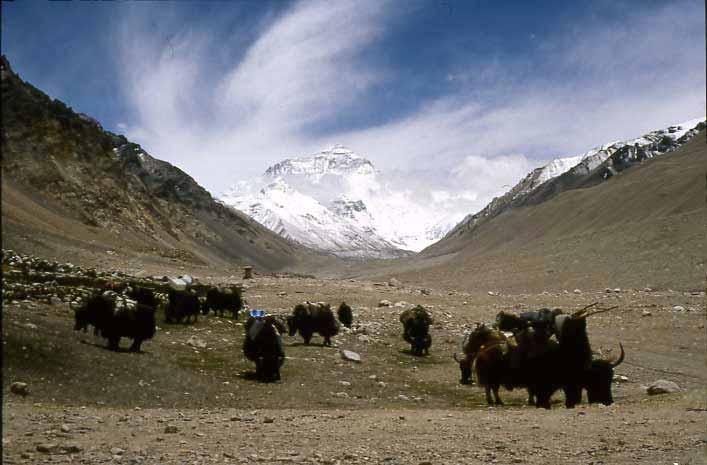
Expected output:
(135, 347)
(113, 342)
(531, 397)
(496, 396)
(488, 395)
(307, 337)
(573, 395)
(327, 340)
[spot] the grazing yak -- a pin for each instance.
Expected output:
(309, 318)
(263, 345)
(135, 321)
(416, 329)
(220, 300)
(182, 305)
(345, 314)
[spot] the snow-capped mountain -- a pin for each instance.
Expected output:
(599, 163)
(336, 201)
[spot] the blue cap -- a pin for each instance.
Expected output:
(256, 313)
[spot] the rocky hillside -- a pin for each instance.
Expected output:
(70, 184)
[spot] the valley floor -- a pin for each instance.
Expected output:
(90, 405)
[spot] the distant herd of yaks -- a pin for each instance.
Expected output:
(548, 350)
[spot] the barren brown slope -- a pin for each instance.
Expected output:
(72, 190)
(644, 227)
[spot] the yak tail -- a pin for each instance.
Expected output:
(620, 359)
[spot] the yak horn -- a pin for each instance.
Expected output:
(620, 359)
(579, 313)
(597, 311)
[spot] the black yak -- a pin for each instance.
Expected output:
(416, 329)
(263, 345)
(182, 305)
(309, 318)
(220, 300)
(112, 322)
(345, 314)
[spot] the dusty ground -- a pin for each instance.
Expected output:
(391, 408)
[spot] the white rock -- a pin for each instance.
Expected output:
(646, 313)
(577, 291)
(662, 387)
(349, 355)
(678, 308)
(19, 388)
(384, 303)
(196, 342)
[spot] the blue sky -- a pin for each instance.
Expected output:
(463, 95)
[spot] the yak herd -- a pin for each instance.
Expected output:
(542, 351)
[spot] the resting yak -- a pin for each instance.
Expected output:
(416, 329)
(309, 318)
(220, 300)
(135, 321)
(263, 345)
(182, 305)
(345, 314)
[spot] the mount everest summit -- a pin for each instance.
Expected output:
(337, 201)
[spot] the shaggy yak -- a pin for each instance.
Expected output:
(345, 314)
(263, 345)
(143, 296)
(416, 329)
(496, 361)
(135, 321)
(309, 318)
(220, 300)
(182, 305)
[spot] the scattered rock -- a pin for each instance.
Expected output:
(117, 451)
(196, 342)
(620, 379)
(384, 303)
(394, 282)
(425, 291)
(71, 449)
(678, 308)
(577, 291)
(349, 355)
(65, 428)
(662, 387)
(171, 429)
(19, 388)
(48, 448)
(646, 313)
(268, 420)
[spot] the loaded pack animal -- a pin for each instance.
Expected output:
(113, 322)
(182, 306)
(309, 318)
(263, 345)
(416, 329)
(345, 314)
(221, 300)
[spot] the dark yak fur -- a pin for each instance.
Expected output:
(416, 329)
(495, 360)
(114, 323)
(345, 314)
(143, 296)
(309, 318)
(264, 348)
(182, 305)
(220, 300)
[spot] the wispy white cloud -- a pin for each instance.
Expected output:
(603, 81)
